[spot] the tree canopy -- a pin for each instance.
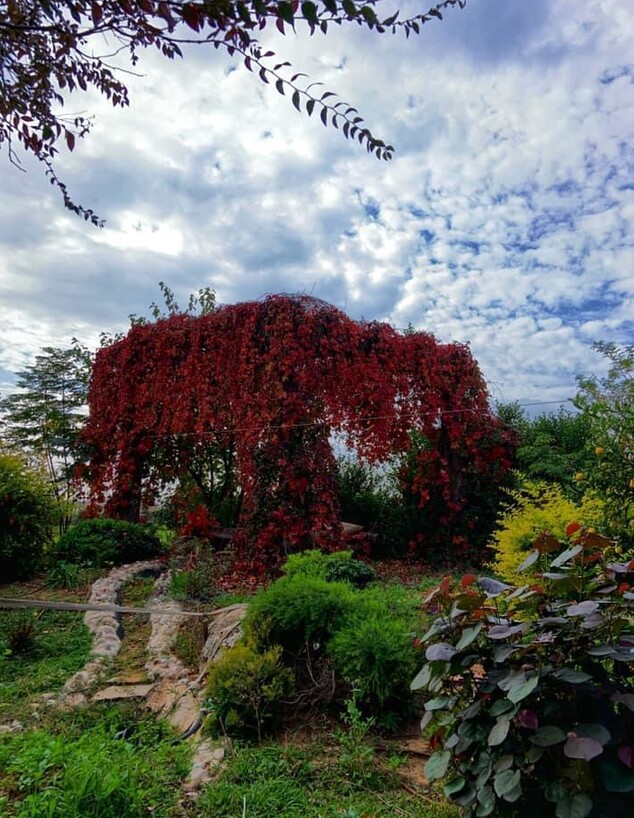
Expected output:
(608, 406)
(551, 447)
(50, 49)
(270, 381)
(44, 416)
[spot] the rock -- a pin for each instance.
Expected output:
(164, 696)
(224, 631)
(104, 625)
(133, 677)
(14, 727)
(165, 628)
(206, 763)
(107, 646)
(173, 692)
(70, 701)
(185, 713)
(116, 693)
(80, 681)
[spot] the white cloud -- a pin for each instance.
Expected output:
(505, 219)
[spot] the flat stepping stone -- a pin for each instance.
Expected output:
(165, 695)
(117, 692)
(130, 678)
(186, 713)
(68, 701)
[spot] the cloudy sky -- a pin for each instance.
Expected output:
(505, 219)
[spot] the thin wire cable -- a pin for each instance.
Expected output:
(322, 423)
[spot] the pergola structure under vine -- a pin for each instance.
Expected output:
(264, 385)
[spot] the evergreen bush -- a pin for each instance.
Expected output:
(376, 657)
(102, 541)
(245, 690)
(339, 566)
(374, 651)
(298, 612)
(338, 639)
(27, 513)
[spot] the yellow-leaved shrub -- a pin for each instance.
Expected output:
(535, 508)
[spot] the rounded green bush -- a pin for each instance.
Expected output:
(340, 566)
(374, 653)
(26, 517)
(245, 690)
(103, 541)
(298, 610)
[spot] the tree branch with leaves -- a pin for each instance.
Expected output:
(50, 49)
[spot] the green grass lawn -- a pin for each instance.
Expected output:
(106, 761)
(320, 779)
(39, 650)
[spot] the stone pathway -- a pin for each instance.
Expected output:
(168, 688)
(105, 627)
(177, 694)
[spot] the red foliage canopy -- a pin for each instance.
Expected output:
(276, 378)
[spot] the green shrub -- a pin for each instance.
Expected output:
(534, 509)
(313, 563)
(103, 541)
(336, 567)
(375, 655)
(355, 572)
(298, 611)
(391, 601)
(27, 513)
(245, 690)
(64, 575)
(531, 695)
(364, 637)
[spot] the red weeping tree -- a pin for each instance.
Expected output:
(270, 381)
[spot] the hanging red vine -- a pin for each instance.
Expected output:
(274, 378)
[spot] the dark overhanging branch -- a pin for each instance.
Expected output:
(43, 58)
